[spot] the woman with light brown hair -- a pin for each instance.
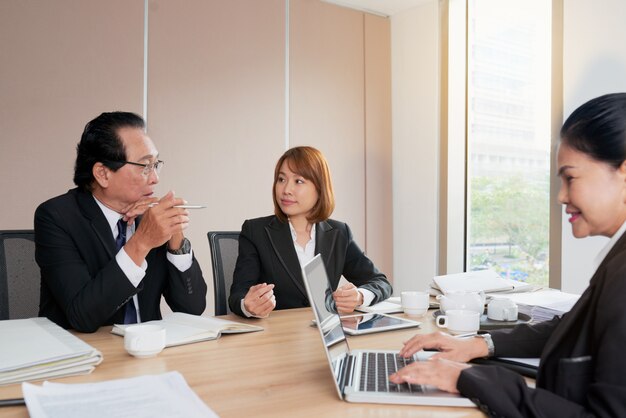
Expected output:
(272, 249)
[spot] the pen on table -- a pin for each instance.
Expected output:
(181, 206)
(12, 402)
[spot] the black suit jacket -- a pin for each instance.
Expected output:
(267, 255)
(583, 356)
(83, 287)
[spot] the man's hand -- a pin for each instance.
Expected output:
(347, 298)
(260, 300)
(161, 223)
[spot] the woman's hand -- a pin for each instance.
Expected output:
(347, 298)
(450, 348)
(260, 300)
(444, 374)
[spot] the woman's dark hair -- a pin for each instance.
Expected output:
(598, 129)
(100, 142)
(310, 164)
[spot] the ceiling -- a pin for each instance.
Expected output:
(379, 7)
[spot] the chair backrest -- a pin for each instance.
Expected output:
(19, 275)
(224, 251)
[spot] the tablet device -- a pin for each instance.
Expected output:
(377, 322)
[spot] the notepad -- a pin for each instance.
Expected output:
(476, 281)
(182, 328)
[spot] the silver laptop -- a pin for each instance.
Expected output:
(362, 376)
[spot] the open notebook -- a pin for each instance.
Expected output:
(182, 328)
(363, 376)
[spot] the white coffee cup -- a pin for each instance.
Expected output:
(459, 321)
(469, 301)
(502, 309)
(415, 303)
(144, 340)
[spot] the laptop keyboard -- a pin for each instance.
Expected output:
(376, 369)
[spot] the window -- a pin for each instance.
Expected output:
(508, 137)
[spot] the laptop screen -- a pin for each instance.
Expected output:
(317, 286)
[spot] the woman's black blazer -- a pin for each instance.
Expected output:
(267, 255)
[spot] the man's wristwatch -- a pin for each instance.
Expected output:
(490, 347)
(185, 248)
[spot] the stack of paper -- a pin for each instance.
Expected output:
(182, 328)
(37, 348)
(544, 304)
(487, 281)
(165, 395)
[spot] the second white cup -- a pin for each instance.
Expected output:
(502, 310)
(415, 303)
(459, 321)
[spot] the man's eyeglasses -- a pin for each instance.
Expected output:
(147, 168)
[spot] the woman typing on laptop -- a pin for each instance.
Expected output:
(272, 249)
(583, 367)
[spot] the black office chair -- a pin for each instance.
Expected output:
(224, 251)
(19, 275)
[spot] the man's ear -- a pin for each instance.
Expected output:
(101, 174)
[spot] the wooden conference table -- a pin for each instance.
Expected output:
(281, 371)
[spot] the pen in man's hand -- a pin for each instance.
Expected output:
(181, 206)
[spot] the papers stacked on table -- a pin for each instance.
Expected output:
(165, 395)
(544, 304)
(37, 348)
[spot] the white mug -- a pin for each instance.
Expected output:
(470, 301)
(144, 340)
(459, 321)
(415, 303)
(502, 309)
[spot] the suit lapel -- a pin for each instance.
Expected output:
(325, 239)
(580, 308)
(91, 211)
(280, 238)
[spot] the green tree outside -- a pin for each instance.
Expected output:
(509, 226)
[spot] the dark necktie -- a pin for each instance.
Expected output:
(130, 313)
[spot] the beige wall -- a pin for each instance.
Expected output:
(61, 65)
(216, 108)
(415, 91)
(594, 63)
(216, 105)
(378, 190)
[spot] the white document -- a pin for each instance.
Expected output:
(165, 395)
(182, 328)
(37, 348)
(386, 306)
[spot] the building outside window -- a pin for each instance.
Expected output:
(508, 137)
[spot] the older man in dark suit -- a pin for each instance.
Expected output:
(109, 248)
